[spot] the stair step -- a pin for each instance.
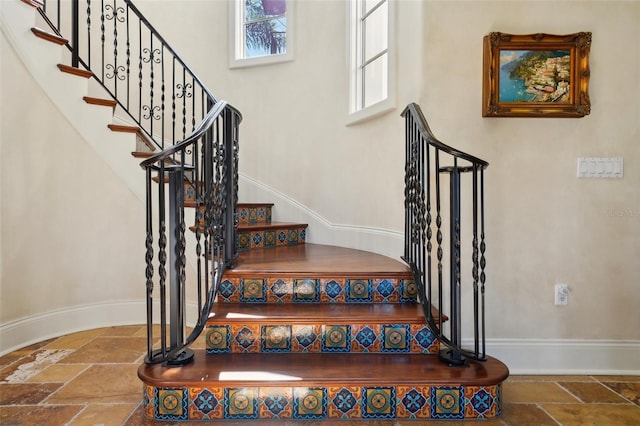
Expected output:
(251, 213)
(45, 35)
(123, 128)
(317, 259)
(34, 3)
(302, 289)
(75, 71)
(270, 235)
(348, 386)
(319, 327)
(99, 101)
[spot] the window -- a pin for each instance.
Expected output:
(261, 32)
(371, 61)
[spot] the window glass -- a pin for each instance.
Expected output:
(261, 32)
(375, 32)
(371, 63)
(265, 27)
(375, 77)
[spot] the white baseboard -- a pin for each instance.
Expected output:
(36, 328)
(567, 357)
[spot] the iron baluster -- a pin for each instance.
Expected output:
(102, 39)
(75, 28)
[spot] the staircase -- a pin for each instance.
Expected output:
(315, 332)
(294, 330)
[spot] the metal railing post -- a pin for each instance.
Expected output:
(229, 184)
(177, 296)
(75, 33)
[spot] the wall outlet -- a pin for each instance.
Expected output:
(561, 294)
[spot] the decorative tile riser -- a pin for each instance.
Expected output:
(321, 338)
(254, 215)
(346, 401)
(310, 290)
(248, 240)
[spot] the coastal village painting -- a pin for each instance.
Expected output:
(535, 76)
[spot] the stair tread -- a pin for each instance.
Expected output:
(46, 35)
(295, 369)
(123, 128)
(317, 259)
(100, 101)
(330, 313)
(271, 225)
(75, 71)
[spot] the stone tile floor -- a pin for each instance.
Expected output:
(89, 378)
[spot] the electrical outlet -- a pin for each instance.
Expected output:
(561, 294)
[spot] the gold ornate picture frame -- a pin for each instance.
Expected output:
(536, 75)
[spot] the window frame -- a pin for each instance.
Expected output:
(237, 38)
(358, 112)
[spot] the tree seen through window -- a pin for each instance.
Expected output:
(265, 27)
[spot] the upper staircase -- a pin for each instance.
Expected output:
(288, 329)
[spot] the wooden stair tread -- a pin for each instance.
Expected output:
(100, 101)
(45, 35)
(311, 313)
(75, 71)
(272, 225)
(123, 128)
(309, 369)
(316, 259)
(254, 205)
(34, 3)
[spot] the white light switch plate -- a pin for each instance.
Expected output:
(597, 167)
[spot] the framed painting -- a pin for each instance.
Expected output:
(536, 75)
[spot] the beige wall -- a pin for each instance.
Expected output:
(546, 226)
(72, 231)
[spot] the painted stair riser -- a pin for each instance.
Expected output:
(321, 338)
(313, 290)
(248, 240)
(331, 402)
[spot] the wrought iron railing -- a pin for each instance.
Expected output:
(134, 64)
(205, 165)
(445, 238)
(198, 138)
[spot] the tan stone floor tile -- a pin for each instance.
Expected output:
(31, 365)
(38, 414)
(629, 390)
(594, 414)
(60, 373)
(617, 378)
(525, 415)
(27, 394)
(109, 350)
(109, 383)
(12, 357)
(534, 378)
(593, 393)
(128, 330)
(75, 340)
(103, 415)
(38, 345)
(535, 392)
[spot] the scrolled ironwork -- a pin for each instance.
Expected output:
(151, 55)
